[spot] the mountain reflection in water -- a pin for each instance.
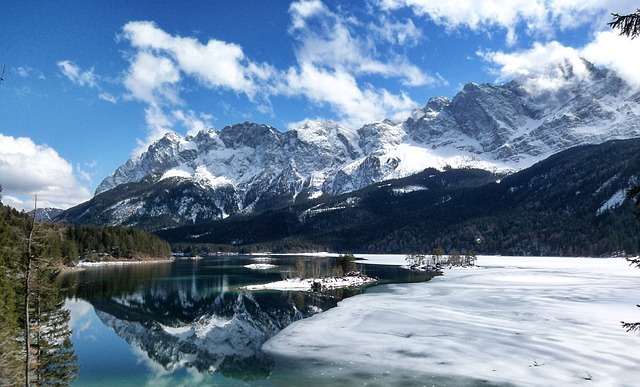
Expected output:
(189, 314)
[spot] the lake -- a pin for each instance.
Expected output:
(187, 322)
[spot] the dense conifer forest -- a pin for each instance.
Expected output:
(35, 338)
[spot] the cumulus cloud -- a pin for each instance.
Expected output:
(340, 90)
(28, 169)
(616, 52)
(76, 75)
(332, 60)
(152, 79)
(216, 64)
(545, 66)
(162, 61)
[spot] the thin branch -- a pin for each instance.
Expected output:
(629, 25)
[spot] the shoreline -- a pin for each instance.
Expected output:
(128, 262)
(512, 320)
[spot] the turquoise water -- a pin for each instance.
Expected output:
(186, 322)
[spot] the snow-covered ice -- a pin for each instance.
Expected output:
(308, 283)
(260, 266)
(524, 321)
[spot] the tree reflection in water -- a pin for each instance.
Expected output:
(191, 315)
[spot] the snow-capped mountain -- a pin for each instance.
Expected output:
(251, 167)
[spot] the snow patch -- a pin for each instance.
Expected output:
(260, 266)
(408, 189)
(614, 202)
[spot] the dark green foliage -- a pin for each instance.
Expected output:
(346, 263)
(53, 362)
(12, 226)
(96, 243)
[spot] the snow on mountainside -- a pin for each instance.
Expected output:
(248, 167)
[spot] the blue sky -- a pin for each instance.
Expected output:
(88, 84)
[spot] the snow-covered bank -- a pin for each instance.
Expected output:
(528, 321)
(112, 263)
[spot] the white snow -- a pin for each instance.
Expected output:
(307, 283)
(614, 201)
(408, 189)
(118, 263)
(260, 266)
(526, 321)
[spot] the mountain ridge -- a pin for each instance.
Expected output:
(570, 204)
(247, 168)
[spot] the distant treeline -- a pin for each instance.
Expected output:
(117, 242)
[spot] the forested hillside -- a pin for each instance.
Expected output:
(31, 255)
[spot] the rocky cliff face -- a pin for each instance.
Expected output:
(251, 167)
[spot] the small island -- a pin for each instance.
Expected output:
(351, 279)
(342, 275)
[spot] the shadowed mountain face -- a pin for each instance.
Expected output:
(572, 203)
(250, 168)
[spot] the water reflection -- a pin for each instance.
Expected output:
(190, 314)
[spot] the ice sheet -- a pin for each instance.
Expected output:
(522, 321)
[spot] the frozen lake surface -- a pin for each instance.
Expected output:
(523, 321)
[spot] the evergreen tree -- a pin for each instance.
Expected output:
(629, 25)
(10, 358)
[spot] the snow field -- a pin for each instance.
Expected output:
(524, 321)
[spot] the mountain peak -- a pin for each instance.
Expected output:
(250, 167)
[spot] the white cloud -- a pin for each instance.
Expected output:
(216, 64)
(302, 10)
(28, 169)
(27, 72)
(158, 123)
(329, 41)
(332, 59)
(192, 121)
(544, 67)
(108, 97)
(153, 79)
(616, 52)
(340, 90)
(161, 62)
(403, 34)
(538, 17)
(76, 75)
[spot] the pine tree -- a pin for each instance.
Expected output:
(629, 25)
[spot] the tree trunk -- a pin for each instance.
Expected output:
(27, 323)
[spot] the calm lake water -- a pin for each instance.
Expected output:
(187, 322)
